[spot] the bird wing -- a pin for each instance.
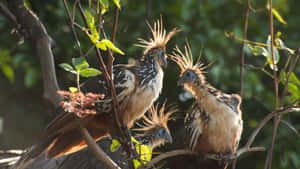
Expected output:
(233, 101)
(194, 121)
(124, 82)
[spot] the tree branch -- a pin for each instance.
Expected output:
(98, 152)
(290, 127)
(242, 62)
(34, 31)
(268, 163)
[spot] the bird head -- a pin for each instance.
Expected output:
(191, 72)
(155, 129)
(155, 48)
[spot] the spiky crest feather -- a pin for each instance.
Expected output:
(156, 117)
(160, 37)
(185, 60)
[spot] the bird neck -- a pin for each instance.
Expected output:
(202, 90)
(148, 70)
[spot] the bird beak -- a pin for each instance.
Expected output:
(168, 138)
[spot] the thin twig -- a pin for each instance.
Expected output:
(242, 62)
(71, 22)
(98, 152)
(115, 25)
(268, 162)
(291, 127)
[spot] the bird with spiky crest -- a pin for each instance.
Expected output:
(137, 87)
(155, 131)
(214, 124)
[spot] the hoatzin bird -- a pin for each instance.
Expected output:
(137, 87)
(215, 123)
(155, 131)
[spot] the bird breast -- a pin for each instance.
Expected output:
(143, 98)
(223, 129)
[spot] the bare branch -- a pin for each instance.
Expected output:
(98, 152)
(116, 17)
(243, 49)
(291, 127)
(277, 117)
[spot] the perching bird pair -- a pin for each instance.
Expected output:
(215, 121)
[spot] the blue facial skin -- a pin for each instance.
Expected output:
(161, 55)
(163, 133)
(187, 77)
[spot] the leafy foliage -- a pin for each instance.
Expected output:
(81, 68)
(144, 151)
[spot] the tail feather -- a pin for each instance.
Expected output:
(32, 153)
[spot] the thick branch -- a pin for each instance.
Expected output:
(98, 152)
(34, 31)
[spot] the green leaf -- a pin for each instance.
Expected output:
(115, 145)
(89, 72)
(101, 46)
(67, 67)
(8, 72)
(257, 50)
(277, 16)
(105, 5)
(144, 151)
(73, 89)
(117, 3)
(294, 91)
(110, 45)
(91, 23)
(80, 63)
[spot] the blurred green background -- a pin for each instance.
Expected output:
(24, 113)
